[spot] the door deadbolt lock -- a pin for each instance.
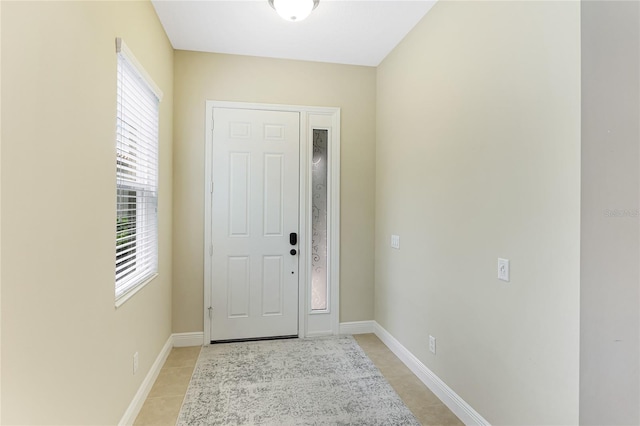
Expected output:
(293, 252)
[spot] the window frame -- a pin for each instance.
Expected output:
(146, 207)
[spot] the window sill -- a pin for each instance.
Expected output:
(128, 295)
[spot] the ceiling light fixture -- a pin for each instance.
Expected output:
(294, 10)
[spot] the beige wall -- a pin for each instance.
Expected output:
(478, 157)
(0, 216)
(200, 77)
(66, 351)
(610, 297)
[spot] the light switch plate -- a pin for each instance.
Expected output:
(395, 241)
(503, 269)
(135, 363)
(432, 344)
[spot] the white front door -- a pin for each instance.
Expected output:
(254, 212)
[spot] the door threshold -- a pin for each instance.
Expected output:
(254, 339)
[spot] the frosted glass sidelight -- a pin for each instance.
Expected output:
(319, 288)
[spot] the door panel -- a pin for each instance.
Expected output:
(254, 208)
(239, 190)
(273, 195)
(272, 285)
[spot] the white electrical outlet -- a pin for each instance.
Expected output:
(135, 363)
(503, 269)
(395, 241)
(432, 344)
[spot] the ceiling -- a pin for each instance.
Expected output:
(356, 32)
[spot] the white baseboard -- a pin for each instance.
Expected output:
(457, 405)
(181, 340)
(357, 327)
(145, 387)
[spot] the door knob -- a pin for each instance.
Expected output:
(293, 252)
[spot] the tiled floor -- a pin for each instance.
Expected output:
(427, 408)
(165, 399)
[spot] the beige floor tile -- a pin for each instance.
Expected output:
(171, 381)
(437, 414)
(423, 403)
(183, 357)
(370, 342)
(160, 411)
(389, 365)
(416, 396)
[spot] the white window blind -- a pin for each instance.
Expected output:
(136, 175)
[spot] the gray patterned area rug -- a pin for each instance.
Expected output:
(318, 381)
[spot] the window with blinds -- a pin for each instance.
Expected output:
(138, 98)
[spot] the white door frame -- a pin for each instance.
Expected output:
(328, 118)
